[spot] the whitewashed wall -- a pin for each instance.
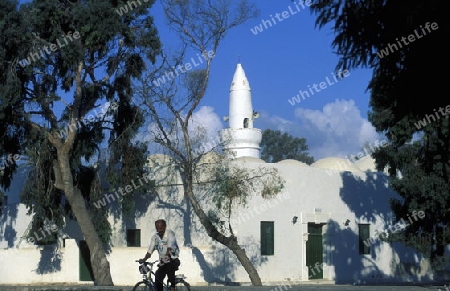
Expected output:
(26, 265)
(312, 193)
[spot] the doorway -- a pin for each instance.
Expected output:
(314, 251)
(86, 273)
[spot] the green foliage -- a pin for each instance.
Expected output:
(10, 127)
(98, 67)
(417, 157)
(43, 200)
(124, 169)
(277, 146)
(233, 185)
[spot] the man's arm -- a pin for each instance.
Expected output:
(150, 250)
(145, 258)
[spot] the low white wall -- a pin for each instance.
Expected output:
(30, 265)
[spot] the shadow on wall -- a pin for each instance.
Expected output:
(225, 263)
(7, 220)
(220, 271)
(345, 258)
(50, 260)
(142, 202)
(364, 199)
(9, 212)
(367, 198)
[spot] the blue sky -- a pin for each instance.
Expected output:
(280, 61)
(287, 57)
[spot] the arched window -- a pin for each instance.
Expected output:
(245, 122)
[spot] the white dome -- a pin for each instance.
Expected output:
(210, 157)
(250, 159)
(366, 163)
(335, 163)
(293, 163)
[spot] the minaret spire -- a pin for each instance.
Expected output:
(241, 139)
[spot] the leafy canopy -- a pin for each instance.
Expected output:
(277, 146)
(405, 100)
(47, 97)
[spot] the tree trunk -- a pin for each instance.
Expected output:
(64, 182)
(99, 261)
(245, 261)
(230, 242)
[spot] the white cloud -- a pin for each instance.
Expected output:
(203, 131)
(207, 120)
(337, 130)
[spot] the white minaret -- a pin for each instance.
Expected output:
(241, 139)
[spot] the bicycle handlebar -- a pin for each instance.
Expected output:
(147, 263)
(145, 267)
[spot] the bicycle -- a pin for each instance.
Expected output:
(148, 279)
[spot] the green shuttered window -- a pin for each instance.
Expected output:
(267, 238)
(133, 237)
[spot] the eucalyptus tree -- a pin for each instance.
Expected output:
(402, 43)
(66, 75)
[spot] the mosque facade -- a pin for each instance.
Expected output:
(327, 225)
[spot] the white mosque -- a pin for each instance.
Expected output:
(325, 227)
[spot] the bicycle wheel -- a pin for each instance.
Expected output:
(181, 285)
(143, 286)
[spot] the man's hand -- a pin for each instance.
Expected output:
(146, 257)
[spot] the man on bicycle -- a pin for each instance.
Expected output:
(165, 242)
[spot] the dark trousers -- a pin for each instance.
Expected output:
(166, 269)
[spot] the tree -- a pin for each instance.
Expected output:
(172, 100)
(401, 41)
(277, 146)
(61, 61)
